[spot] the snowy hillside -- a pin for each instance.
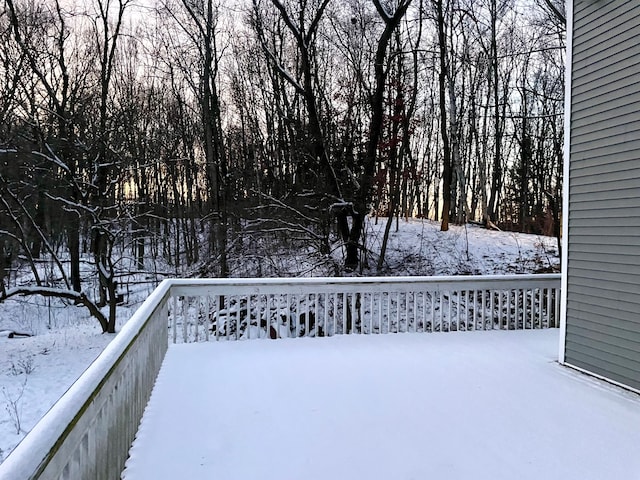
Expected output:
(420, 248)
(36, 370)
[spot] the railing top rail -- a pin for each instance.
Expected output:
(39, 445)
(364, 280)
(224, 286)
(346, 280)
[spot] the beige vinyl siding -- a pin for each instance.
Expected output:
(603, 254)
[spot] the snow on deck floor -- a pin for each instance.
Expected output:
(476, 405)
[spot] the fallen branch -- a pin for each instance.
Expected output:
(488, 224)
(18, 334)
(78, 297)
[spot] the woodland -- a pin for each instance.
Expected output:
(211, 134)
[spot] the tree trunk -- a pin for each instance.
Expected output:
(447, 171)
(363, 196)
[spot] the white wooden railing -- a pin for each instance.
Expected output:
(87, 433)
(275, 308)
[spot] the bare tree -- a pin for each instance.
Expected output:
(107, 28)
(47, 24)
(362, 196)
(198, 22)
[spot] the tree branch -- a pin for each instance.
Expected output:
(78, 297)
(556, 12)
(314, 23)
(276, 63)
(288, 22)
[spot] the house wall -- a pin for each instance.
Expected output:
(602, 322)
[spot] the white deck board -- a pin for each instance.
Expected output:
(482, 405)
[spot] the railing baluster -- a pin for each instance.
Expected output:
(197, 318)
(232, 308)
(398, 318)
(206, 317)
(433, 311)
(304, 310)
(475, 309)
(354, 312)
(174, 318)
(370, 313)
(258, 315)
(449, 311)
(557, 306)
(343, 329)
(328, 314)
(297, 316)
(484, 309)
(492, 310)
(461, 323)
(510, 311)
(517, 308)
(453, 309)
(357, 312)
(424, 311)
(217, 317)
(415, 311)
(334, 314)
(380, 297)
(531, 307)
(185, 321)
(534, 308)
(316, 320)
(247, 316)
(269, 323)
(462, 310)
(508, 295)
(325, 304)
(535, 318)
(388, 319)
(224, 306)
(483, 301)
(406, 312)
(523, 313)
(287, 313)
(414, 315)
(538, 302)
(547, 314)
(441, 311)
(440, 307)
(513, 294)
(525, 310)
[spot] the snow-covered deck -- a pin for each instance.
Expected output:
(482, 405)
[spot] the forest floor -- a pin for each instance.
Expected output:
(36, 370)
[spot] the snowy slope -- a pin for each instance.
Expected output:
(420, 248)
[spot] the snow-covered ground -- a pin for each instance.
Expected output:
(35, 371)
(483, 405)
(420, 248)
